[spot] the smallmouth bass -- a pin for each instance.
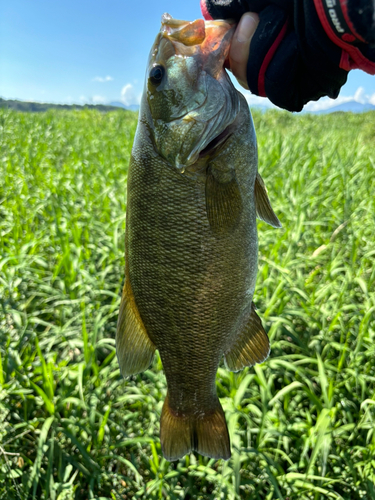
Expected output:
(191, 238)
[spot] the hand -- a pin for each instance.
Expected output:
(293, 52)
(239, 50)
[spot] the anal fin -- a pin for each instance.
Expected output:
(134, 349)
(250, 347)
(263, 204)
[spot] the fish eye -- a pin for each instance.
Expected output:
(156, 74)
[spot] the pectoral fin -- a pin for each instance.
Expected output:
(223, 201)
(263, 204)
(134, 348)
(250, 347)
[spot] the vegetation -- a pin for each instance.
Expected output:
(301, 424)
(44, 106)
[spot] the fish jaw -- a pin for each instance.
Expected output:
(211, 39)
(195, 100)
(186, 32)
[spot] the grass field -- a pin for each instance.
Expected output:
(301, 424)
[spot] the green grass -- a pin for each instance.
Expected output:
(301, 424)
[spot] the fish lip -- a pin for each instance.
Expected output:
(191, 33)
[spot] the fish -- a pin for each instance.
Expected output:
(193, 195)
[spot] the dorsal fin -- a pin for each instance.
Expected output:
(263, 204)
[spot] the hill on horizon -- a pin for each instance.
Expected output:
(30, 106)
(349, 106)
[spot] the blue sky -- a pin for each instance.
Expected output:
(95, 51)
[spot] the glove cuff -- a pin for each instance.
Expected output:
(204, 11)
(334, 17)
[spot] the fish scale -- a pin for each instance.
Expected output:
(191, 240)
(182, 279)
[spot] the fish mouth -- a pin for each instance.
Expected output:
(209, 37)
(186, 32)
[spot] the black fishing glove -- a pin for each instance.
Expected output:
(303, 49)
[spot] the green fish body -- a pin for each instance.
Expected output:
(191, 238)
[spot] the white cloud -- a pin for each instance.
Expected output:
(326, 103)
(360, 95)
(102, 79)
(98, 99)
(129, 95)
(255, 100)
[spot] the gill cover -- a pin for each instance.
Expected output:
(189, 94)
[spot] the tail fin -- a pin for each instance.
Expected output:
(206, 433)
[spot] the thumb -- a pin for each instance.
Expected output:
(239, 51)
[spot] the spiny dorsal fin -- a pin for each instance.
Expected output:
(263, 204)
(223, 202)
(250, 347)
(133, 346)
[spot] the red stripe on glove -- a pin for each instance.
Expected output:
(344, 8)
(267, 60)
(351, 57)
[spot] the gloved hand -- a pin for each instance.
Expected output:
(302, 49)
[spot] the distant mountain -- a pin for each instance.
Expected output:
(118, 104)
(43, 106)
(351, 106)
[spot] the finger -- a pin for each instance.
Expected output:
(239, 51)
